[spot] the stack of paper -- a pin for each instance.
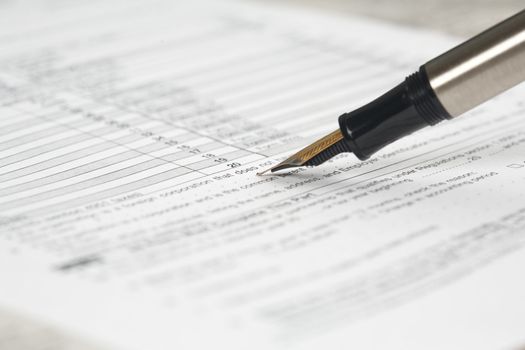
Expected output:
(131, 216)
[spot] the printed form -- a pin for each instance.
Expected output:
(131, 216)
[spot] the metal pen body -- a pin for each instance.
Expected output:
(480, 68)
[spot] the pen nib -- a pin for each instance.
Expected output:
(315, 154)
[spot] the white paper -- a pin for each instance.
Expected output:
(131, 215)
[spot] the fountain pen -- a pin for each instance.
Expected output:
(443, 88)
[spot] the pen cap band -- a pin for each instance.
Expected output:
(410, 106)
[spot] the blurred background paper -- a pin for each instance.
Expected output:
(462, 18)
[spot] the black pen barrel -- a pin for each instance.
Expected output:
(410, 106)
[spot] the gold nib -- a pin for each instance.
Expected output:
(303, 156)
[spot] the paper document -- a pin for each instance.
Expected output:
(131, 215)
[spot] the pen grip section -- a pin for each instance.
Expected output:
(410, 106)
